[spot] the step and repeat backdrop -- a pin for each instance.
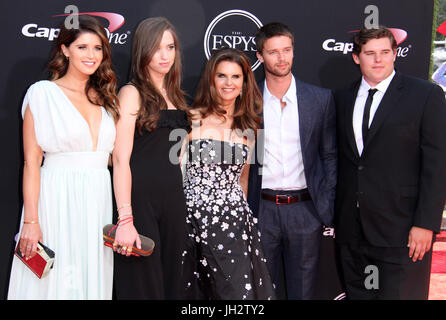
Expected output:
(322, 29)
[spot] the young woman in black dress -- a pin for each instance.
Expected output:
(147, 182)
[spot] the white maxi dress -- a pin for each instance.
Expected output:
(75, 201)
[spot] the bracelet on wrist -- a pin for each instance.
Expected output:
(126, 215)
(30, 222)
(124, 205)
(124, 221)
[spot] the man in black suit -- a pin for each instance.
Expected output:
(293, 192)
(391, 176)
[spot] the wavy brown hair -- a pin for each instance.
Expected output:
(248, 104)
(103, 81)
(146, 41)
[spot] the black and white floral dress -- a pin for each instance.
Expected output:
(224, 258)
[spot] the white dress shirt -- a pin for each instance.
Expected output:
(283, 167)
(358, 110)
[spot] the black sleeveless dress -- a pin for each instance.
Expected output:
(159, 213)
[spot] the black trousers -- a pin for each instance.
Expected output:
(370, 272)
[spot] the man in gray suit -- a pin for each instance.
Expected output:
(292, 182)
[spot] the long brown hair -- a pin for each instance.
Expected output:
(103, 81)
(146, 41)
(248, 104)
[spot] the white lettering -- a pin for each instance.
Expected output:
(217, 40)
(338, 46)
(236, 40)
(116, 38)
(54, 33)
(113, 35)
(32, 30)
(402, 51)
(246, 42)
(346, 47)
(122, 38)
(227, 40)
(41, 32)
(26, 28)
(193, 310)
(326, 43)
(232, 41)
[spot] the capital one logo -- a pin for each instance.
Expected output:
(115, 21)
(233, 29)
(333, 45)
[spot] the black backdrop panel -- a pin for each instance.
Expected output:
(322, 31)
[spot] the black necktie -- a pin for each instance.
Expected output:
(366, 115)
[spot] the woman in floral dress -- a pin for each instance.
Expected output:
(224, 257)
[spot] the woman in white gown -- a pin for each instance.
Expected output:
(70, 122)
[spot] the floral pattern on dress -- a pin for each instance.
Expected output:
(225, 242)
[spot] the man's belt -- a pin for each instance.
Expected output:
(285, 199)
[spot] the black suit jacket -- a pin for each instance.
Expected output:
(317, 129)
(400, 179)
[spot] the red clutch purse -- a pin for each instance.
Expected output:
(147, 244)
(41, 263)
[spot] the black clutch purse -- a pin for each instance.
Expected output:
(147, 244)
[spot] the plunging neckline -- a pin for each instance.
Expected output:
(94, 146)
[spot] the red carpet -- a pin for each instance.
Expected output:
(438, 262)
(441, 236)
(437, 290)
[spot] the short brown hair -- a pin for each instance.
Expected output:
(272, 29)
(365, 35)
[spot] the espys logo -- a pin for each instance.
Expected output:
(115, 21)
(346, 47)
(233, 29)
